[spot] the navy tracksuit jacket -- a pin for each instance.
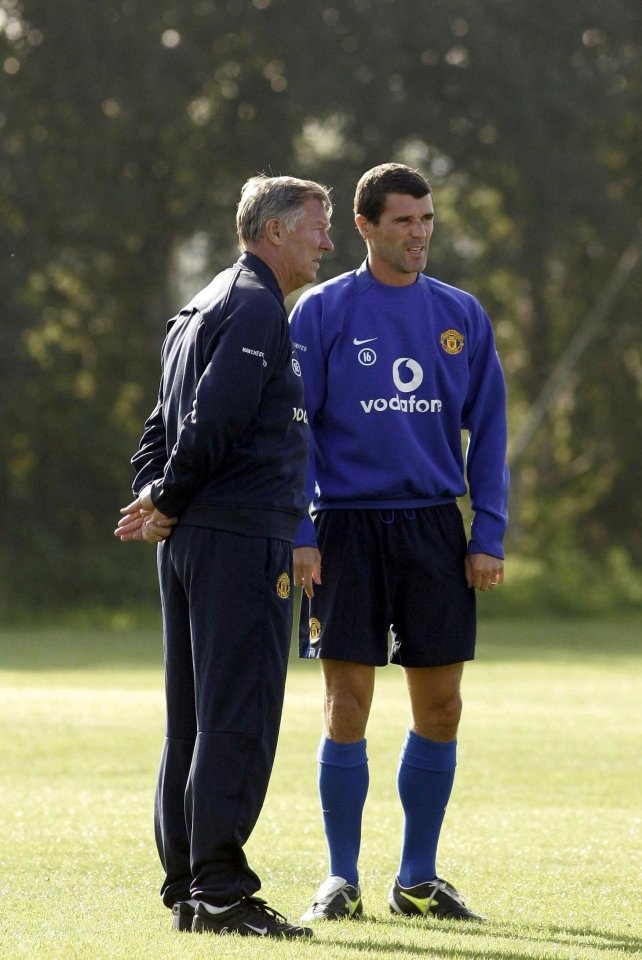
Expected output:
(225, 451)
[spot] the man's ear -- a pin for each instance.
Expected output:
(274, 231)
(362, 224)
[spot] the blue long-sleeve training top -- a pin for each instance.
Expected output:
(226, 444)
(392, 375)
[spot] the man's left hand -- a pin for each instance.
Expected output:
(484, 572)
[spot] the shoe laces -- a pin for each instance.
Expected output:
(261, 906)
(449, 890)
(330, 889)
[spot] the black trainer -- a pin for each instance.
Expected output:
(250, 918)
(435, 898)
(182, 916)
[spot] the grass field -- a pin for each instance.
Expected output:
(543, 833)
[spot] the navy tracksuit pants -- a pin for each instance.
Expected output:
(227, 618)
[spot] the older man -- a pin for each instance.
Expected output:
(219, 486)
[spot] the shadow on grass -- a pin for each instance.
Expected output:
(533, 936)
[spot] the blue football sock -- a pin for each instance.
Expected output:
(424, 780)
(343, 786)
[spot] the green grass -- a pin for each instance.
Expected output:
(543, 833)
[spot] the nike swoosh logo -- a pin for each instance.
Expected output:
(421, 903)
(260, 930)
(358, 343)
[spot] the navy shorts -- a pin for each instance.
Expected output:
(394, 589)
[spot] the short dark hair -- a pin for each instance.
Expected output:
(370, 197)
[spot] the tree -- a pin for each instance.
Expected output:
(127, 129)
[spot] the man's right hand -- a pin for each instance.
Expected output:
(307, 568)
(130, 527)
(142, 521)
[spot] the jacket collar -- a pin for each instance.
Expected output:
(250, 261)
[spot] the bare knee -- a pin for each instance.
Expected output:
(346, 716)
(439, 720)
(435, 699)
(347, 700)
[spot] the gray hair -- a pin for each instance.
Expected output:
(266, 198)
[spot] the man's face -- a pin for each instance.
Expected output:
(303, 247)
(398, 243)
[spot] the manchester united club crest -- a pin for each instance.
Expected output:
(283, 586)
(452, 341)
(315, 630)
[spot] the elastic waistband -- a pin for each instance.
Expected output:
(389, 516)
(405, 503)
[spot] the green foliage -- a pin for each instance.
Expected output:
(546, 802)
(126, 130)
